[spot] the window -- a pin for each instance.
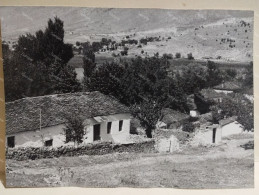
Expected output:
(11, 142)
(120, 125)
(109, 126)
(49, 143)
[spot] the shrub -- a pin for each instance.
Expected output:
(168, 56)
(124, 53)
(178, 55)
(189, 56)
(188, 127)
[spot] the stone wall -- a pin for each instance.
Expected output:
(89, 149)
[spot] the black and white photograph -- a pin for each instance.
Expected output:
(128, 97)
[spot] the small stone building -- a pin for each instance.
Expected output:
(39, 121)
(209, 134)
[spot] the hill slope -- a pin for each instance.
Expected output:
(82, 24)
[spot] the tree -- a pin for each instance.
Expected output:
(107, 80)
(148, 113)
(235, 105)
(193, 78)
(88, 59)
(248, 81)
(189, 56)
(231, 74)
(178, 55)
(188, 127)
(74, 128)
(214, 76)
(38, 61)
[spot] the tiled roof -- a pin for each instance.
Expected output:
(24, 114)
(171, 116)
(211, 94)
(227, 120)
(228, 86)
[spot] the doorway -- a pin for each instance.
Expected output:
(97, 129)
(214, 135)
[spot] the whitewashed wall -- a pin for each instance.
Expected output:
(37, 138)
(205, 137)
(231, 128)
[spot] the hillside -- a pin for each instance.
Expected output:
(193, 31)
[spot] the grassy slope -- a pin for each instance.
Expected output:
(225, 166)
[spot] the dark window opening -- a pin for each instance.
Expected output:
(109, 126)
(97, 129)
(11, 142)
(120, 125)
(49, 142)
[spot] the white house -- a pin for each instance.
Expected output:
(213, 134)
(230, 126)
(38, 121)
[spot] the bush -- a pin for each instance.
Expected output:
(178, 55)
(124, 53)
(188, 127)
(168, 56)
(189, 56)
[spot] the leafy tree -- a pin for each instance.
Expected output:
(189, 56)
(231, 74)
(193, 78)
(88, 59)
(107, 80)
(74, 128)
(37, 63)
(148, 113)
(188, 127)
(235, 105)
(178, 55)
(248, 81)
(214, 76)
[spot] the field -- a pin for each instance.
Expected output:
(175, 64)
(224, 166)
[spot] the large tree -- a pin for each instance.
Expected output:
(38, 64)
